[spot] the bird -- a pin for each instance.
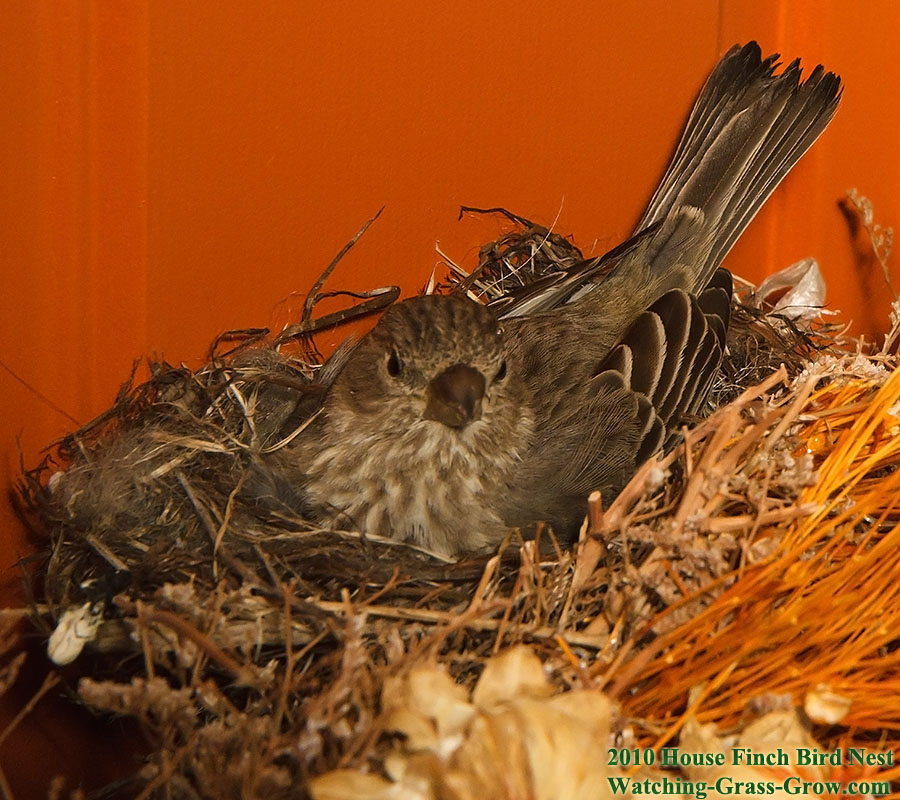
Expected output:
(451, 422)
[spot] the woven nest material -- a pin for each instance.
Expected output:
(747, 573)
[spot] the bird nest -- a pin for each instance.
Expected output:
(748, 573)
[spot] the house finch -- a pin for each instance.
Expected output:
(450, 423)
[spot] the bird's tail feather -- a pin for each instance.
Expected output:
(745, 132)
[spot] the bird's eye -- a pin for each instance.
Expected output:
(394, 365)
(501, 373)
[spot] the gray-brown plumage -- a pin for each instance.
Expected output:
(450, 423)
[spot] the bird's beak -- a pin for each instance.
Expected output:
(454, 397)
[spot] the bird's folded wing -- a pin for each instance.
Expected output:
(660, 371)
(668, 358)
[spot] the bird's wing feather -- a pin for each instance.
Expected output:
(658, 372)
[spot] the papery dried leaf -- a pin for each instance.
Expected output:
(517, 672)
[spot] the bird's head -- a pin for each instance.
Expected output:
(435, 360)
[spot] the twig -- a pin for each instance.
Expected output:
(50, 681)
(313, 294)
(429, 617)
(244, 675)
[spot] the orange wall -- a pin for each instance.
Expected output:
(176, 169)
